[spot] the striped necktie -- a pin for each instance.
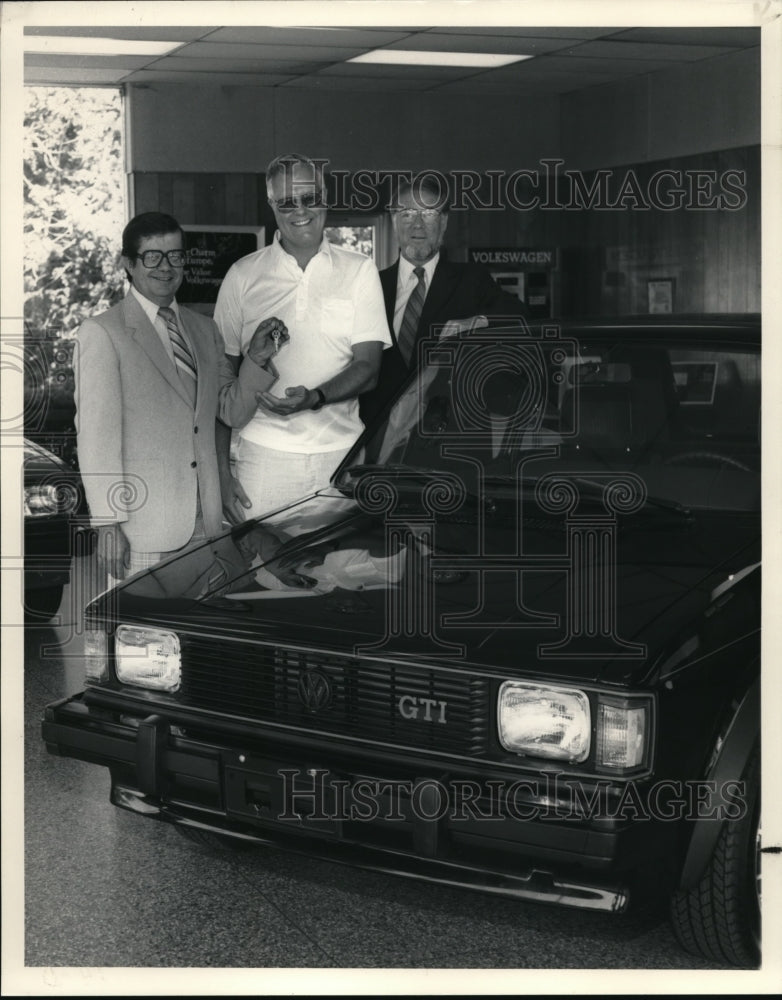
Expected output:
(183, 356)
(409, 328)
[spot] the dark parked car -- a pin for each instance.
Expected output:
(514, 646)
(52, 499)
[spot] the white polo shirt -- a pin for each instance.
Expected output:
(331, 305)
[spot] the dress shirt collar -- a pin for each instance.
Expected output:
(150, 308)
(406, 270)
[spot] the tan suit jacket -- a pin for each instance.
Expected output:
(143, 450)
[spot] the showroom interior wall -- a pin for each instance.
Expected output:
(199, 152)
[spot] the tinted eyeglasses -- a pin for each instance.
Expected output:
(311, 199)
(152, 258)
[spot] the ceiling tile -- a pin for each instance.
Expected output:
(727, 37)
(297, 53)
(160, 33)
(565, 58)
(640, 50)
(144, 76)
(361, 38)
(438, 42)
(177, 64)
(531, 31)
(392, 72)
(571, 64)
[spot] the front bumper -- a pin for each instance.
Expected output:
(316, 802)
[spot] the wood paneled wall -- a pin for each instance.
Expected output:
(205, 199)
(606, 255)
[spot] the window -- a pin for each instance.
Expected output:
(354, 233)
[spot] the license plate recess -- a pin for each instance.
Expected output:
(283, 795)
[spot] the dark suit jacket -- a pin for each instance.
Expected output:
(457, 291)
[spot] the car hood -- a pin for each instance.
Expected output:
(593, 602)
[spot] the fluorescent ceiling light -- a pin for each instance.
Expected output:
(410, 57)
(84, 46)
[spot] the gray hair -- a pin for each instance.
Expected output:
(429, 189)
(284, 164)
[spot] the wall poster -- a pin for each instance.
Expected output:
(211, 250)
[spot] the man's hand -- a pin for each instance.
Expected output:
(297, 398)
(113, 550)
(235, 500)
(269, 337)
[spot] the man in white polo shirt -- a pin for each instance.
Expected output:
(328, 306)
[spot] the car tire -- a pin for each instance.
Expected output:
(43, 603)
(212, 841)
(719, 918)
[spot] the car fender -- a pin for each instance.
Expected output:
(729, 762)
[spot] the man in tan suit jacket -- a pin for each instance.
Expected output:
(151, 380)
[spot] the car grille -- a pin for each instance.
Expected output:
(270, 683)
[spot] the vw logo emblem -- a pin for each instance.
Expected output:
(314, 689)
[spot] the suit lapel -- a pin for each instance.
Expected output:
(444, 281)
(440, 291)
(389, 277)
(146, 336)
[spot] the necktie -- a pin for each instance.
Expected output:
(409, 328)
(183, 357)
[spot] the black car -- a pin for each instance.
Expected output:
(514, 646)
(53, 497)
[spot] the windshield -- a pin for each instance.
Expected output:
(679, 416)
(557, 430)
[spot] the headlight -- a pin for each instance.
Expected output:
(148, 657)
(549, 722)
(96, 664)
(41, 500)
(623, 728)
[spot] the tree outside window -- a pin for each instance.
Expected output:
(74, 212)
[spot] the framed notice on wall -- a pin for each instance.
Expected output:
(660, 295)
(526, 272)
(210, 252)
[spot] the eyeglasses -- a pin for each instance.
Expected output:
(411, 214)
(151, 258)
(309, 200)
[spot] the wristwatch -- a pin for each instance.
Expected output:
(321, 400)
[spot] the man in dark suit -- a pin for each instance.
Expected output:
(427, 295)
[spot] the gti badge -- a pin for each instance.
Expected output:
(314, 689)
(421, 708)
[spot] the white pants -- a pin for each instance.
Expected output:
(273, 479)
